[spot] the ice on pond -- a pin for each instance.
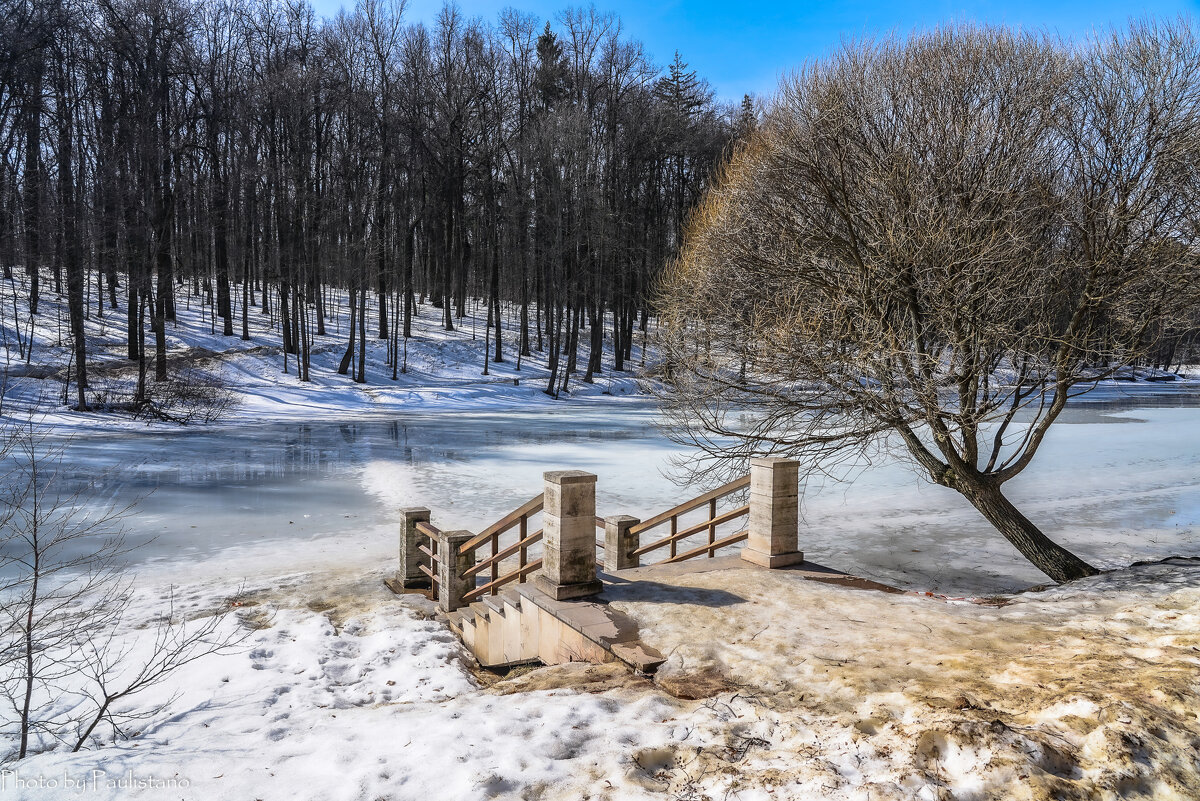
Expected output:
(1117, 480)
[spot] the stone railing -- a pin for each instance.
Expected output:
(460, 567)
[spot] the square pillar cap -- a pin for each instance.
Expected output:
(561, 477)
(771, 461)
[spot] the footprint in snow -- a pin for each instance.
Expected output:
(259, 658)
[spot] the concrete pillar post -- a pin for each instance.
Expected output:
(774, 513)
(408, 574)
(452, 585)
(569, 535)
(620, 543)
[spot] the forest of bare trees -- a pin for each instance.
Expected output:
(267, 159)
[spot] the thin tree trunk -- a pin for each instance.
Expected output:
(409, 304)
(360, 374)
(246, 291)
(33, 192)
(160, 303)
(142, 296)
(285, 322)
(553, 333)
(32, 601)
(494, 302)
(71, 257)
(221, 234)
(301, 314)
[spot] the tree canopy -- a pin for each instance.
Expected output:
(930, 245)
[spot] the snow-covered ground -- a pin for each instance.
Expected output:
(344, 691)
(444, 369)
(1086, 691)
(808, 691)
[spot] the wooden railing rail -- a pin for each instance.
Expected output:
(489, 563)
(428, 529)
(526, 510)
(676, 536)
(712, 547)
(431, 533)
(494, 585)
(694, 503)
(492, 561)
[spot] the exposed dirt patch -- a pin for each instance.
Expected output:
(581, 676)
(337, 595)
(256, 619)
(695, 685)
(320, 605)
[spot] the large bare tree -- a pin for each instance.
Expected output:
(932, 245)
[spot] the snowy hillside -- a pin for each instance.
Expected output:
(442, 369)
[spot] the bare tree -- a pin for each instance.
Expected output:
(931, 246)
(67, 665)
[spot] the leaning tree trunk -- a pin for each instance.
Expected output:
(348, 356)
(1046, 555)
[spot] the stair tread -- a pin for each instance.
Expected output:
(494, 602)
(638, 654)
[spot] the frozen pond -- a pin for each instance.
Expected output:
(1117, 480)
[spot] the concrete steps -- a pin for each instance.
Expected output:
(523, 625)
(495, 631)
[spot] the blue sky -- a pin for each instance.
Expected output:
(745, 46)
